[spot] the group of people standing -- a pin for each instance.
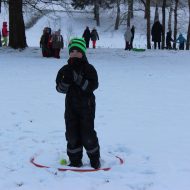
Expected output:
(93, 35)
(157, 31)
(51, 43)
(4, 35)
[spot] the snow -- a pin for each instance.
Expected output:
(142, 116)
(142, 113)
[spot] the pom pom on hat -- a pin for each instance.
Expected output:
(78, 44)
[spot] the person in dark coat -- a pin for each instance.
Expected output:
(86, 35)
(169, 40)
(94, 37)
(133, 35)
(78, 79)
(57, 44)
(45, 43)
(156, 34)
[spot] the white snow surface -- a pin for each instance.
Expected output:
(142, 116)
(142, 112)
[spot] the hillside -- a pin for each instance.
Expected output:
(74, 23)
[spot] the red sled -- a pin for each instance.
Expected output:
(32, 160)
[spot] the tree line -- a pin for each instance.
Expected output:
(17, 37)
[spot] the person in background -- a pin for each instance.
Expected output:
(5, 34)
(169, 40)
(181, 40)
(78, 79)
(44, 42)
(57, 44)
(156, 33)
(86, 36)
(94, 37)
(133, 35)
(128, 36)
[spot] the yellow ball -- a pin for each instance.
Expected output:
(63, 162)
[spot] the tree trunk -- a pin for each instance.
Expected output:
(163, 23)
(188, 33)
(118, 16)
(170, 18)
(175, 23)
(17, 38)
(156, 15)
(132, 13)
(148, 23)
(96, 12)
(129, 13)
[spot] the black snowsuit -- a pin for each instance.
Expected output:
(169, 40)
(86, 35)
(79, 108)
(44, 45)
(156, 33)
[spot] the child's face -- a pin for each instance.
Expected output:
(75, 53)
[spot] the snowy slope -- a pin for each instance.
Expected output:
(142, 116)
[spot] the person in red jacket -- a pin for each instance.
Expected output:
(5, 34)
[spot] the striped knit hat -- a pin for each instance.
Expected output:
(77, 43)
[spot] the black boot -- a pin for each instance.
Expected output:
(77, 164)
(95, 163)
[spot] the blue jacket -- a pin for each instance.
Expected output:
(181, 39)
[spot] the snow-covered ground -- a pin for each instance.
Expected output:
(142, 112)
(142, 116)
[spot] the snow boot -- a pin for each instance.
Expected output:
(95, 163)
(77, 164)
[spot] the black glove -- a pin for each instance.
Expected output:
(77, 78)
(80, 80)
(62, 87)
(67, 77)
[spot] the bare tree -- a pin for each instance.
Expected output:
(163, 23)
(130, 4)
(188, 33)
(117, 21)
(17, 37)
(175, 23)
(96, 12)
(129, 13)
(144, 3)
(156, 15)
(170, 17)
(148, 23)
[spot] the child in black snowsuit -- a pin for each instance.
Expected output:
(78, 79)
(169, 40)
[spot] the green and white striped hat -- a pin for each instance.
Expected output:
(77, 43)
